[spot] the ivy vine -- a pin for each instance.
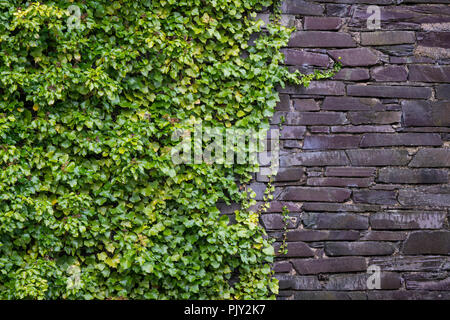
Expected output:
(91, 204)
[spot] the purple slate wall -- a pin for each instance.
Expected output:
(365, 156)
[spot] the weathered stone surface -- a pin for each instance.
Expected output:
(379, 38)
(434, 39)
(352, 74)
(305, 105)
(356, 57)
(284, 104)
(338, 207)
(400, 50)
(282, 267)
(349, 103)
(335, 221)
(321, 39)
(411, 176)
(431, 158)
(326, 88)
(349, 172)
(315, 194)
(402, 17)
(315, 235)
(290, 174)
(400, 139)
(322, 23)
(362, 129)
(378, 157)
(331, 265)
(389, 281)
(389, 73)
(311, 159)
(329, 295)
(389, 91)
(275, 221)
(385, 117)
(426, 114)
(375, 197)
(301, 57)
(292, 132)
(427, 242)
(407, 220)
(409, 263)
(363, 248)
(428, 281)
(331, 142)
(443, 91)
(427, 73)
(414, 197)
(295, 249)
(407, 295)
(298, 282)
(340, 182)
(301, 7)
(384, 236)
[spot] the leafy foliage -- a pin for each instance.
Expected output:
(91, 205)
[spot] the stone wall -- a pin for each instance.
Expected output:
(365, 156)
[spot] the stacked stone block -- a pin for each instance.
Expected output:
(365, 156)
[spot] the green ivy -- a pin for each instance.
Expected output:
(91, 204)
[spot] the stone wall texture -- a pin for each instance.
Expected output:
(365, 156)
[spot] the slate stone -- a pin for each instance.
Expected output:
(362, 129)
(363, 248)
(305, 105)
(427, 242)
(384, 236)
(350, 282)
(299, 7)
(323, 87)
(349, 172)
(340, 182)
(356, 57)
(431, 158)
(409, 263)
(316, 235)
(443, 91)
(429, 73)
(409, 176)
(315, 194)
(339, 207)
(335, 221)
(400, 139)
(384, 117)
(379, 38)
(298, 282)
(301, 57)
(331, 265)
(389, 73)
(406, 92)
(322, 23)
(295, 250)
(407, 220)
(311, 159)
(349, 103)
(320, 142)
(375, 197)
(352, 74)
(415, 197)
(378, 157)
(321, 39)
